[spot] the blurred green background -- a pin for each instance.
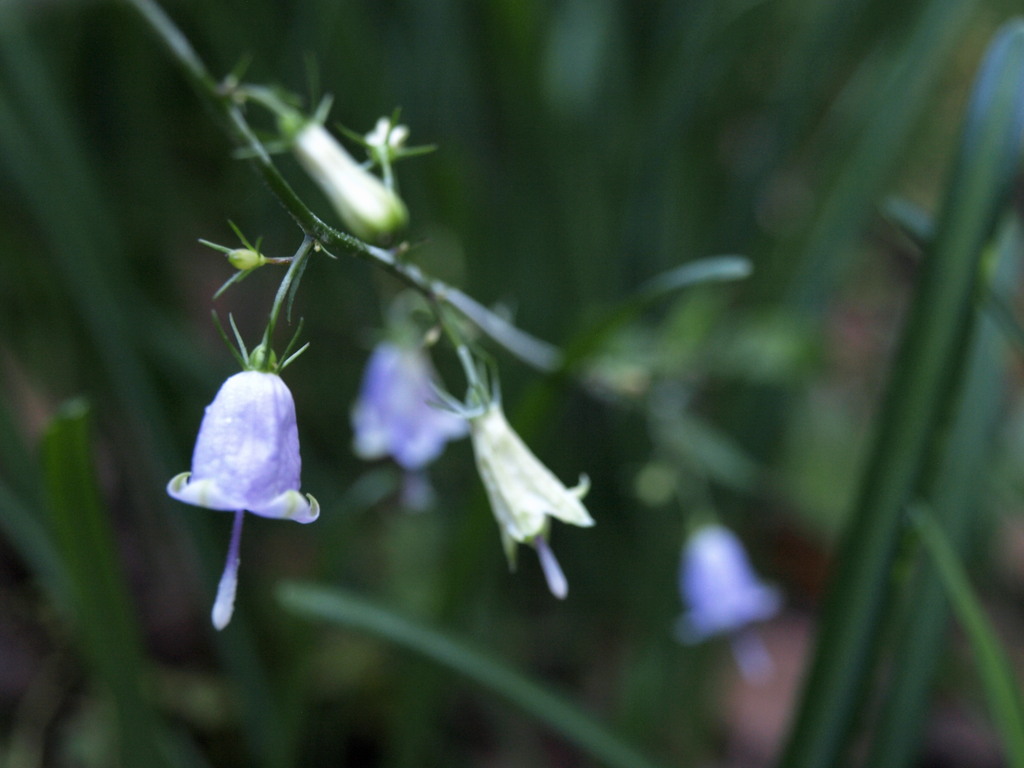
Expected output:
(584, 147)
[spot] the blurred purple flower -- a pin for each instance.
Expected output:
(393, 416)
(246, 458)
(724, 596)
(719, 586)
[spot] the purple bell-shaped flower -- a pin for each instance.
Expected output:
(724, 596)
(394, 417)
(246, 458)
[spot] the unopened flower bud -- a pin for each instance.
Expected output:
(245, 259)
(365, 204)
(386, 134)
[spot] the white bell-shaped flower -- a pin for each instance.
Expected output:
(523, 493)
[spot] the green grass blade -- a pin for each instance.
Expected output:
(895, 90)
(923, 373)
(346, 609)
(1002, 689)
(102, 612)
(914, 223)
(952, 491)
(876, 116)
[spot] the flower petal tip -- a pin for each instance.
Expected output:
(200, 493)
(290, 505)
(582, 487)
(752, 657)
(313, 510)
(177, 483)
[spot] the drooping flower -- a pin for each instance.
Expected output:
(724, 596)
(365, 204)
(523, 493)
(246, 458)
(394, 416)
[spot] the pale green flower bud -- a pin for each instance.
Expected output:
(524, 494)
(364, 202)
(245, 259)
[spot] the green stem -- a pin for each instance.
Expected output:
(296, 266)
(221, 99)
(995, 669)
(479, 394)
(538, 353)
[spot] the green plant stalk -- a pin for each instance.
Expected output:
(923, 370)
(21, 521)
(348, 610)
(916, 225)
(997, 676)
(951, 490)
(220, 99)
(287, 287)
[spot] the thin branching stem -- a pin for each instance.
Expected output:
(282, 292)
(221, 98)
